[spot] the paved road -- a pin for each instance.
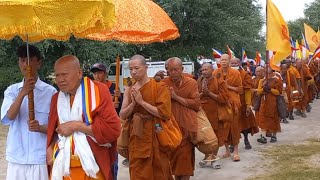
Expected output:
(250, 164)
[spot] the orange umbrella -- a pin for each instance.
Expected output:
(139, 22)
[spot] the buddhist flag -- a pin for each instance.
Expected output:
(230, 52)
(258, 58)
(244, 56)
(311, 37)
(277, 33)
(298, 52)
(316, 53)
(304, 42)
(304, 52)
(216, 53)
(273, 64)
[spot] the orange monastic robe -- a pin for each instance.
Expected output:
(290, 84)
(305, 77)
(183, 159)
(232, 131)
(106, 129)
(147, 161)
(255, 84)
(209, 105)
(247, 122)
(311, 89)
(268, 113)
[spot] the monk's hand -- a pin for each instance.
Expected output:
(205, 90)
(173, 93)
(34, 126)
(248, 110)
(137, 96)
(28, 85)
(117, 93)
(66, 129)
(266, 88)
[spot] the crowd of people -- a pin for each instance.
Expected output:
(75, 130)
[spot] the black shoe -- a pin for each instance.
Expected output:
(303, 115)
(308, 108)
(231, 148)
(291, 116)
(247, 144)
(298, 113)
(262, 139)
(273, 139)
(285, 121)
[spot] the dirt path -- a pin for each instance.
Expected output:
(251, 164)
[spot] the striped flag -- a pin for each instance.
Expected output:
(316, 54)
(230, 52)
(258, 58)
(216, 53)
(244, 56)
(305, 42)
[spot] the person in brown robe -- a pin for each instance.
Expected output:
(260, 72)
(317, 77)
(185, 99)
(145, 103)
(234, 86)
(247, 122)
(289, 85)
(213, 93)
(104, 128)
(269, 88)
(312, 90)
(305, 77)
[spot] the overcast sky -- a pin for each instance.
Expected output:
(290, 9)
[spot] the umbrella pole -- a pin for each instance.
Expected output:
(29, 74)
(116, 99)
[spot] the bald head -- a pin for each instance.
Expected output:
(260, 72)
(207, 70)
(235, 62)
(225, 60)
(68, 74)
(283, 69)
(139, 58)
(175, 68)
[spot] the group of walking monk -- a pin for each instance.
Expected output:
(75, 130)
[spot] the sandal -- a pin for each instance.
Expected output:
(202, 163)
(273, 139)
(236, 158)
(211, 158)
(226, 155)
(216, 166)
(262, 139)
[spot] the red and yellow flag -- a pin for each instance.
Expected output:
(278, 39)
(312, 37)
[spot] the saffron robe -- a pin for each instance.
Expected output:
(147, 161)
(305, 77)
(209, 105)
(290, 81)
(247, 122)
(183, 158)
(269, 119)
(105, 126)
(231, 129)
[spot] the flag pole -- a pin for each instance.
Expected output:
(267, 51)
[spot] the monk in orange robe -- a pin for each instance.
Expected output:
(311, 83)
(145, 103)
(185, 99)
(289, 85)
(269, 88)
(213, 93)
(317, 78)
(234, 85)
(260, 72)
(97, 137)
(305, 78)
(247, 122)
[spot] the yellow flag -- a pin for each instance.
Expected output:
(298, 52)
(277, 33)
(312, 37)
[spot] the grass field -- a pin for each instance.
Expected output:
(294, 162)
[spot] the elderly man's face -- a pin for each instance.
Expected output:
(224, 61)
(67, 77)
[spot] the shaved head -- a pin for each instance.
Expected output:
(139, 58)
(175, 69)
(207, 70)
(225, 60)
(68, 74)
(234, 62)
(260, 72)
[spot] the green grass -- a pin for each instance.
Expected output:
(292, 162)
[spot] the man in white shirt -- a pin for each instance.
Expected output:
(26, 141)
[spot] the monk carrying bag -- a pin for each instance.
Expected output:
(123, 139)
(225, 113)
(256, 102)
(167, 131)
(282, 107)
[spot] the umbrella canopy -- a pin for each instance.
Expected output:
(139, 21)
(54, 19)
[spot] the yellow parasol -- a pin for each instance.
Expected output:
(36, 20)
(139, 22)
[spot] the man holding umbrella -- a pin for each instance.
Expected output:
(26, 141)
